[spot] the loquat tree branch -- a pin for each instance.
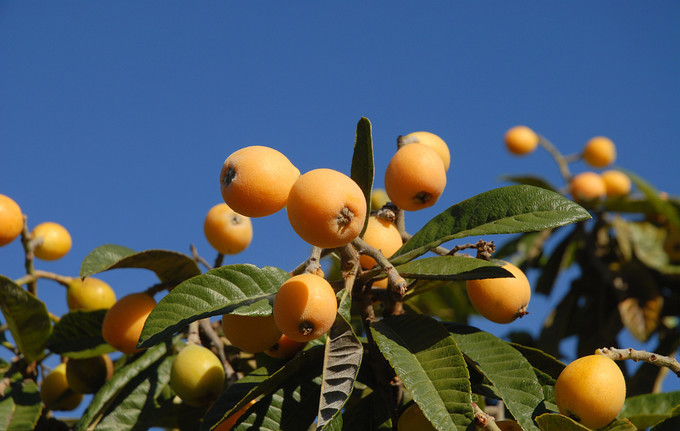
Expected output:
(217, 343)
(29, 247)
(561, 160)
(483, 420)
(640, 355)
(199, 259)
(38, 274)
(395, 280)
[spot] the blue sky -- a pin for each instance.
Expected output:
(115, 117)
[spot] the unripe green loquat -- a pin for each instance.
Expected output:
(197, 375)
(89, 294)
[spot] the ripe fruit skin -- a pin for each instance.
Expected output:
(616, 183)
(415, 177)
(56, 241)
(591, 390)
(11, 220)
(89, 294)
(587, 186)
(501, 300)
(197, 375)
(432, 141)
(252, 334)
(305, 307)
(53, 388)
(226, 230)
(413, 419)
(521, 140)
(255, 180)
(124, 321)
(599, 152)
(384, 236)
(87, 375)
(326, 208)
(285, 348)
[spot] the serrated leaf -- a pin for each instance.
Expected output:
(78, 334)
(169, 266)
(239, 289)
(558, 422)
(451, 268)
(511, 209)
(506, 368)
(20, 406)
(363, 169)
(648, 409)
(27, 318)
(529, 180)
(342, 360)
(122, 381)
(427, 360)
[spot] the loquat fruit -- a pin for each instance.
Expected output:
(55, 392)
(501, 300)
(521, 140)
(413, 419)
(382, 235)
(326, 208)
(197, 375)
(587, 186)
(599, 152)
(378, 198)
(11, 220)
(591, 390)
(226, 230)
(285, 348)
(429, 140)
(252, 334)
(255, 180)
(415, 177)
(87, 375)
(616, 183)
(305, 307)
(89, 294)
(124, 321)
(56, 241)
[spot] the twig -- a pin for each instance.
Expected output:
(192, 336)
(199, 259)
(37, 274)
(219, 260)
(218, 345)
(483, 420)
(29, 245)
(640, 355)
(561, 160)
(396, 281)
(484, 249)
(313, 262)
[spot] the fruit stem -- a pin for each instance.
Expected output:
(192, 337)
(396, 281)
(37, 273)
(483, 420)
(218, 345)
(562, 162)
(640, 355)
(198, 259)
(29, 246)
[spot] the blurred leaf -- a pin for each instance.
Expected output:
(20, 405)
(342, 360)
(646, 410)
(661, 206)
(27, 319)
(443, 299)
(427, 360)
(363, 169)
(561, 258)
(670, 424)
(79, 335)
(559, 323)
(370, 413)
(648, 245)
(641, 318)
(169, 266)
(511, 209)
(114, 393)
(558, 422)
(241, 289)
(266, 381)
(510, 372)
(451, 268)
(540, 360)
(529, 180)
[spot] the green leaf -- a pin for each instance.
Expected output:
(27, 318)
(558, 422)
(511, 209)
(79, 335)
(560, 258)
(369, 413)
(342, 360)
(451, 268)
(529, 180)
(295, 410)
(20, 405)
(541, 360)
(506, 368)
(670, 424)
(648, 409)
(241, 289)
(660, 205)
(170, 266)
(123, 385)
(363, 168)
(427, 360)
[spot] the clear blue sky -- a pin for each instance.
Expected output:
(115, 117)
